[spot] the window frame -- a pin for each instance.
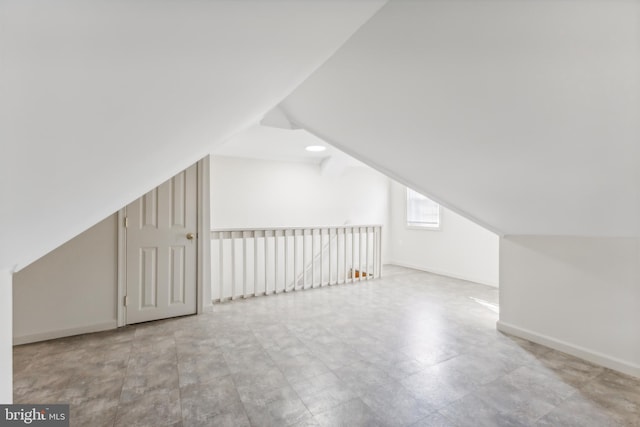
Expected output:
(415, 226)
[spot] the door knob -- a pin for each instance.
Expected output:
(190, 236)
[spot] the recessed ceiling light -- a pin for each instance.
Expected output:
(316, 148)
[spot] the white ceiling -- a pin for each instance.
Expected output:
(521, 115)
(103, 100)
(270, 143)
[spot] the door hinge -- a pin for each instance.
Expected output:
(126, 222)
(126, 300)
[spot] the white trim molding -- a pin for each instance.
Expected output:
(204, 300)
(122, 270)
(61, 333)
(616, 364)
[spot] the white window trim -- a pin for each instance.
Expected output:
(425, 227)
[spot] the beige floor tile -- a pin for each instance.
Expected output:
(412, 348)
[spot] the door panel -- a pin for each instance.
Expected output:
(161, 259)
(148, 277)
(177, 274)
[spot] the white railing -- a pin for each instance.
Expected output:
(264, 261)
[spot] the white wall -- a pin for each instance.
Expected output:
(459, 249)
(264, 193)
(579, 295)
(71, 290)
(250, 193)
(6, 348)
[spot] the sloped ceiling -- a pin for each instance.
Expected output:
(521, 115)
(270, 143)
(102, 100)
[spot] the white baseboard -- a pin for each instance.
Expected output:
(574, 350)
(61, 333)
(443, 273)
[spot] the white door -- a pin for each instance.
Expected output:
(161, 250)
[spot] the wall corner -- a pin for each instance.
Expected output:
(6, 337)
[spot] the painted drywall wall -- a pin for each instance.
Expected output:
(104, 100)
(580, 295)
(247, 193)
(6, 346)
(71, 290)
(518, 114)
(251, 193)
(459, 248)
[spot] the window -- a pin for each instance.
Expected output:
(422, 211)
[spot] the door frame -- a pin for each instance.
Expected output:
(203, 250)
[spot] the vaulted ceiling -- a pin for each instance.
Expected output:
(289, 145)
(521, 115)
(103, 100)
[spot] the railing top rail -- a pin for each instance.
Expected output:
(314, 227)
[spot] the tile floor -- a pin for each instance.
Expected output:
(410, 349)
